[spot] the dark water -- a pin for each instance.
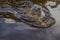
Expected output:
(20, 31)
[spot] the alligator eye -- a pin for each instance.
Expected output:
(1, 16)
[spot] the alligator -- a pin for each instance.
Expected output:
(35, 16)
